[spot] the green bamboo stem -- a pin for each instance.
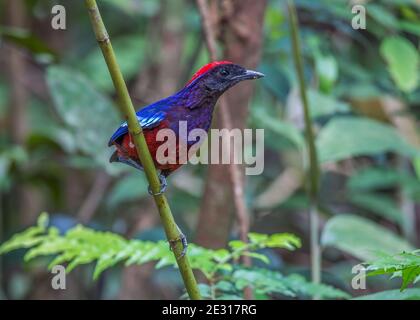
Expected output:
(136, 132)
(314, 171)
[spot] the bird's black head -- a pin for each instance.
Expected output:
(217, 77)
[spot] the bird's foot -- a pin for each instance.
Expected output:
(163, 185)
(183, 239)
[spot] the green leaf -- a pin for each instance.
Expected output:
(409, 294)
(405, 265)
(381, 205)
(374, 178)
(262, 282)
(327, 70)
(205, 291)
(106, 261)
(310, 289)
(383, 16)
(26, 239)
(324, 105)
(258, 256)
(29, 41)
(412, 27)
(90, 116)
(134, 7)
(220, 255)
(277, 240)
(257, 238)
(269, 282)
(130, 53)
(409, 275)
(225, 286)
(282, 128)
(402, 58)
(282, 240)
(237, 244)
(130, 188)
(340, 232)
(348, 137)
(42, 221)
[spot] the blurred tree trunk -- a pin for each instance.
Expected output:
(166, 38)
(240, 26)
(16, 64)
(172, 44)
(26, 200)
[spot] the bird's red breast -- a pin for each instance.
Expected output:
(128, 149)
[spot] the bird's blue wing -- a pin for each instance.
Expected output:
(147, 117)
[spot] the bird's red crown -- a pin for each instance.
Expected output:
(206, 68)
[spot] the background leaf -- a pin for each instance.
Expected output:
(343, 138)
(131, 187)
(82, 109)
(130, 51)
(371, 238)
(402, 58)
(409, 294)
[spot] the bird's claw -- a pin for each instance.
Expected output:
(184, 242)
(163, 185)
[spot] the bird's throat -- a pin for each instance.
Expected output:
(197, 96)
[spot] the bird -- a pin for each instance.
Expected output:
(194, 104)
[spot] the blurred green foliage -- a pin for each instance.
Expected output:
(81, 245)
(371, 238)
(405, 265)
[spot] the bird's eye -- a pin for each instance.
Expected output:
(224, 73)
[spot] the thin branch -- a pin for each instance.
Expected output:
(136, 132)
(314, 170)
(235, 174)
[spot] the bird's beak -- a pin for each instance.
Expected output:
(250, 75)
